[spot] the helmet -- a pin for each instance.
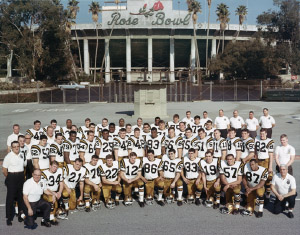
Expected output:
(61, 213)
(169, 200)
(208, 203)
(246, 213)
(96, 205)
(80, 205)
(190, 199)
(110, 205)
(149, 201)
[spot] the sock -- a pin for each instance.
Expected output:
(180, 191)
(66, 205)
(141, 194)
(286, 203)
(290, 210)
(136, 189)
(261, 207)
(87, 203)
(160, 194)
(51, 217)
(23, 216)
(117, 197)
(16, 210)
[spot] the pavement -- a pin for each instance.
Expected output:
(171, 219)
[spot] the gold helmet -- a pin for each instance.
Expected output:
(61, 213)
(80, 205)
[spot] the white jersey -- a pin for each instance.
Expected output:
(100, 128)
(145, 134)
(72, 148)
(113, 134)
(195, 128)
(72, 177)
(210, 132)
(162, 132)
(187, 121)
(136, 126)
(152, 168)
(188, 143)
(173, 124)
(35, 135)
(171, 167)
(25, 152)
(111, 173)
(131, 134)
(41, 153)
(79, 136)
(118, 128)
(106, 147)
(211, 170)
(203, 145)
(179, 133)
(131, 170)
(155, 144)
(29, 151)
(50, 140)
(57, 129)
(93, 172)
(204, 120)
(65, 130)
(137, 145)
(57, 150)
(231, 172)
(219, 146)
(247, 147)
(173, 143)
(122, 146)
(191, 167)
(263, 148)
(84, 130)
(53, 179)
(89, 148)
(254, 177)
(234, 145)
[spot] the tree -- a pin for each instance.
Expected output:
(241, 11)
(206, 54)
(223, 16)
(95, 9)
(194, 7)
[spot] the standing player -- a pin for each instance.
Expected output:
(106, 145)
(231, 178)
(156, 122)
(40, 154)
(121, 145)
(35, 132)
(71, 148)
(203, 143)
(188, 120)
(56, 128)
(129, 131)
(139, 124)
(89, 147)
(50, 135)
(162, 128)
(137, 144)
(156, 143)
(173, 142)
(57, 150)
(112, 130)
(66, 129)
(181, 130)
(102, 126)
(121, 124)
(248, 148)
(146, 131)
(188, 141)
(234, 144)
(195, 126)
(220, 145)
(174, 123)
(209, 128)
(84, 129)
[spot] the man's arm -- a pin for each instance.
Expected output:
(291, 193)
(270, 163)
(248, 158)
(223, 157)
(291, 161)
(139, 174)
(277, 159)
(67, 157)
(177, 176)
(184, 178)
(273, 188)
(123, 177)
(4, 171)
(81, 155)
(116, 154)
(238, 155)
(36, 163)
(81, 186)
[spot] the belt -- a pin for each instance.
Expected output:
(263, 159)
(192, 179)
(15, 173)
(169, 178)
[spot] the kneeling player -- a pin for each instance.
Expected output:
(210, 178)
(172, 168)
(152, 167)
(191, 166)
(231, 178)
(92, 185)
(131, 171)
(110, 181)
(254, 179)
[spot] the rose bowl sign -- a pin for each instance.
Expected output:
(147, 14)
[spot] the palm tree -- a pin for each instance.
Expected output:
(194, 7)
(209, 6)
(241, 11)
(95, 9)
(74, 9)
(223, 16)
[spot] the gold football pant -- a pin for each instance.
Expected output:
(150, 187)
(168, 192)
(194, 189)
(213, 191)
(127, 188)
(89, 192)
(233, 197)
(69, 199)
(265, 163)
(48, 198)
(106, 188)
(251, 199)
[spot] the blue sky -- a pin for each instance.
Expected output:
(255, 7)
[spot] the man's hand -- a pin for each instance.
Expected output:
(144, 180)
(30, 212)
(186, 180)
(172, 185)
(96, 187)
(53, 199)
(198, 181)
(248, 191)
(68, 190)
(58, 195)
(270, 170)
(80, 198)
(216, 184)
(160, 178)
(280, 197)
(226, 187)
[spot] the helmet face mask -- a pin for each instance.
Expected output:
(61, 214)
(80, 206)
(96, 205)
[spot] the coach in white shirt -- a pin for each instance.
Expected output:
(284, 187)
(204, 119)
(222, 123)
(268, 122)
(285, 154)
(252, 124)
(237, 123)
(13, 136)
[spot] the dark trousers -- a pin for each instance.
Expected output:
(29, 169)
(290, 170)
(43, 206)
(253, 134)
(280, 205)
(269, 132)
(14, 183)
(238, 132)
(223, 133)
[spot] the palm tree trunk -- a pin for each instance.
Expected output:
(79, 51)
(197, 52)
(219, 42)
(238, 32)
(206, 69)
(96, 53)
(223, 42)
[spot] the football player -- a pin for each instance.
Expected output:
(195, 126)
(231, 178)
(129, 132)
(92, 127)
(220, 145)
(40, 154)
(209, 128)
(74, 174)
(156, 143)
(71, 148)
(264, 148)
(188, 141)
(188, 120)
(172, 168)
(84, 129)
(181, 131)
(66, 129)
(137, 144)
(54, 180)
(79, 135)
(254, 179)
(174, 123)
(152, 168)
(57, 150)
(131, 175)
(110, 178)
(50, 135)
(209, 168)
(205, 119)
(139, 124)
(121, 146)
(146, 131)
(35, 132)
(56, 128)
(173, 142)
(89, 147)
(121, 124)
(156, 122)
(203, 143)
(106, 144)
(102, 126)
(190, 175)
(247, 146)
(234, 144)
(112, 130)
(162, 128)
(92, 186)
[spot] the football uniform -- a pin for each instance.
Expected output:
(72, 148)
(100, 128)
(155, 144)
(42, 154)
(89, 191)
(203, 145)
(65, 130)
(188, 122)
(220, 145)
(106, 147)
(50, 140)
(162, 132)
(145, 134)
(122, 146)
(173, 124)
(57, 129)
(234, 145)
(173, 143)
(188, 143)
(179, 133)
(79, 136)
(195, 128)
(210, 132)
(84, 130)
(137, 145)
(57, 150)
(35, 135)
(131, 134)
(89, 148)
(247, 147)
(113, 134)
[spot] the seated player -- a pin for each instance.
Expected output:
(172, 168)
(231, 178)
(110, 178)
(254, 179)
(131, 171)
(211, 181)
(190, 175)
(152, 168)
(92, 186)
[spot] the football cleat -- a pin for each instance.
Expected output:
(96, 205)
(54, 222)
(246, 213)
(224, 210)
(208, 203)
(179, 203)
(290, 215)
(128, 203)
(142, 204)
(161, 203)
(197, 202)
(88, 209)
(259, 214)
(110, 205)
(117, 203)
(80, 206)
(216, 206)
(190, 201)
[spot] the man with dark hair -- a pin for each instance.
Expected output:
(13, 136)
(84, 129)
(35, 132)
(40, 154)
(267, 122)
(57, 150)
